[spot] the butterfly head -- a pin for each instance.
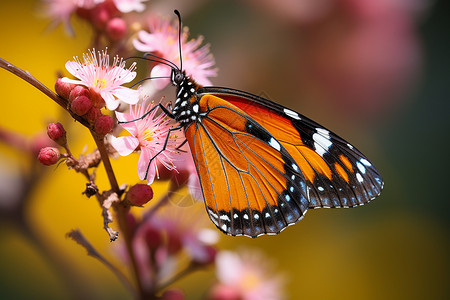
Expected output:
(177, 77)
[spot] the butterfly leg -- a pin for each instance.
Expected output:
(163, 148)
(162, 107)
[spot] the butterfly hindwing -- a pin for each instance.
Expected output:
(335, 173)
(250, 182)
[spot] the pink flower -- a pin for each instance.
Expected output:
(61, 10)
(147, 135)
(246, 276)
(166, 241)
(126, 6)
(96, 74)
(163, 40)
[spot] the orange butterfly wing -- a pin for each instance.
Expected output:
(250, 182)
(336, 173)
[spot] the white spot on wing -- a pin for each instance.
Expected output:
(365, 162)
(361, 168)
(273, 142)
(359, 177)
(225, 218)
(195, 108)
(321, 143)
(291, 114)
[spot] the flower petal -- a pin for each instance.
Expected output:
(146, 171)
(124, 145)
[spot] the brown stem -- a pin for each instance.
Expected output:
(25, 75)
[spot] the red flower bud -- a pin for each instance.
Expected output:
(208, 255)
(100, 16)
(174, 243)
(56, 132)
(223, 292)
(48, 156)
(81, 105)
(153, 237)
(96, 98)
(93, 114)
(78, 90)
(63, 88)
(173, 294)
(116, 29)
(104, 124)
(139, 194)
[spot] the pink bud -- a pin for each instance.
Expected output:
(96, 98)
(100, 16)
(223, 292)
(41, 141)
(56, 132)
(104, 124)
(93, 114)
(78, 90)
(116, 29)
(63, 88)
(173, 294)
(139, 194)
(174, 243)
(81, 105)
(153, 237)
(48, 156)
(207, 256)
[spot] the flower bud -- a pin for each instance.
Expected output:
(56, 132)
(104, 124)
(63, 88)
(93, 114)
(96, 98)
(174, 243)
(153, 237)
(206, 256)
(139, 194)
(223, 292)
(78, 90)
(81, 105)
(116, 29)
(48, 156)
(41, 141)
(100, 16)
(173, 294)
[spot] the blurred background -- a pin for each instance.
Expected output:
(376, 72)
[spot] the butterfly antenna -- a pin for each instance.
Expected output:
(161, 60)
(179, 37)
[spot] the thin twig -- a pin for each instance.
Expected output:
(79, 238)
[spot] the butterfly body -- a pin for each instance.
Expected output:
(261, 165)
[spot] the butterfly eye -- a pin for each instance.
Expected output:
(178, 78)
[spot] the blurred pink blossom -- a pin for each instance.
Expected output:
(363, 56)
(127, 6)
(247, 276)
(162, 40)
(164, 241)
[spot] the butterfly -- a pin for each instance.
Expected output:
(261, 165)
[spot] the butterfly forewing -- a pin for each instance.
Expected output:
(251, 184)
(335, 174)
